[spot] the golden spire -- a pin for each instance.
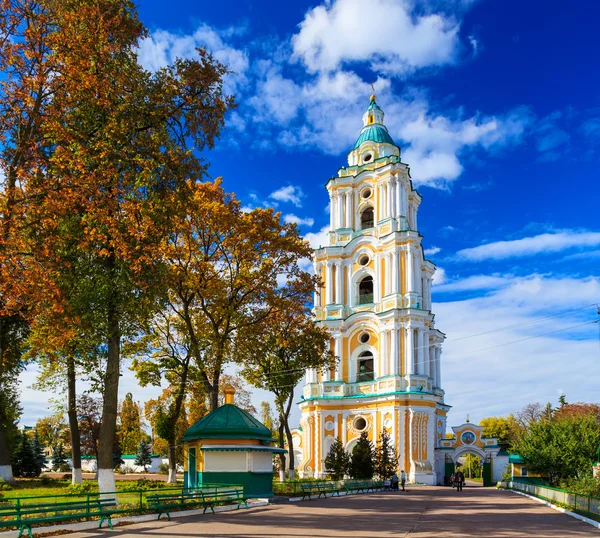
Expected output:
(229, 392)
(373, 94)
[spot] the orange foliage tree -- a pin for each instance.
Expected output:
(230, 271)
(116, 152)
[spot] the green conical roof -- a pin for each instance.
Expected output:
(375, 133)
(228, 422)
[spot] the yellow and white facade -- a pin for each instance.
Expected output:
(376, 302)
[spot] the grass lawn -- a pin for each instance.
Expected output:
(129, 491)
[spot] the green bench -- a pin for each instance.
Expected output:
(26, 516)
(207, 499)
(357, 486)
(318, 488)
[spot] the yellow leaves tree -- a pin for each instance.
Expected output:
(225, 266)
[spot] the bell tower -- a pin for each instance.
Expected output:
(376, 302)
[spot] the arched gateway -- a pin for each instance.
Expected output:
(469, 439)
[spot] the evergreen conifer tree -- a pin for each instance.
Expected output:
(59, 458)
(386, 457)
(38, 451)
(144, 455)
(362, 463)
(25, 463)
(337, 461)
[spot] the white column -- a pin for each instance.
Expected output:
(388, 194)
(377, 280)
(329, 283)
(409, 269)
(331, 212)
(381, 201)
(395, 271)
(394, 354)
(398, 197)
(388, 273)
(420, 368)
(349, 210)
(339, 280)
(337, 350)
(346, 299)
(383, 354)
(316, 295)
(327, 371)
(409, 351)
(340, 211)
(426, 363)
(438, 353)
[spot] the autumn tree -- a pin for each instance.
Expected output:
(505, 429)
(163, 354)
(118, 149)
(277, 352)
(25, 63)
(89, 417)
(129, 429)
(225, 265)
(52, 430)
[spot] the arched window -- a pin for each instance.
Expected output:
(367, 219)
(365, 290)
(365, 366)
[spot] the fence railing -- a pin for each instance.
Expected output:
(574, 501)
(132, 501)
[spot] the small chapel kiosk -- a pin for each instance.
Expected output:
(229, 446)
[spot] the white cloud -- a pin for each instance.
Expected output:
(539, 244)
(432, 251)
(161, 48)
(439, 277)
(499, 347)
(318, 239)
(289, 194)
(298, 220)
(476, 282)
(385, 33)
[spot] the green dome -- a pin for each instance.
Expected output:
(374, 133)
(228, 422)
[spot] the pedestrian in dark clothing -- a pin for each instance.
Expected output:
(460, 480)
(394, 483)
(453, 479)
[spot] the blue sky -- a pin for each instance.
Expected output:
(495, 106)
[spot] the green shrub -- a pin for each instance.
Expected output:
(5, 486)
(85, 487)
(163, 468)
(585, 485)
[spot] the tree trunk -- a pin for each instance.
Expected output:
(6, 472)
(73, 423)
(282, 455)
(290, 443)
(172, 464)
(108, 428)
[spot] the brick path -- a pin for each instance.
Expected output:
(420, 512)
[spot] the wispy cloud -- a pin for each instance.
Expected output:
(431, 251)
(298, 220)
(289, 194)
(528, 246)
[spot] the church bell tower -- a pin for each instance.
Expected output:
(376, 303)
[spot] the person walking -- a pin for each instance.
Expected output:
(460, 480)
(394, 484)
(453, 479)
(403, 479)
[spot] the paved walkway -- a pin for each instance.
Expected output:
(420, 512)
